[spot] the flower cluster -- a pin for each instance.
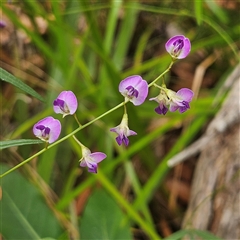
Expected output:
(49, 129)
(174, 100)
(134, 89)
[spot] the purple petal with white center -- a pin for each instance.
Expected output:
(162, 100)
(123, 133)
(181, 100)
(97, 156)
(185, 94)
(173, 107)
(83, 163)
(66, 103)
(178, 46)
(47, 129)
(134, 88)
(91, 160)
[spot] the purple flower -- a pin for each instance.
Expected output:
(134, 89)
(174, 100)
(178, 47)
(180, 100)
(66, 103)
(162, 100)
(123, 131)
(91, 160)
(47, 129)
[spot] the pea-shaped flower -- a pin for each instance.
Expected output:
(123, 131)
(91, 160)
(174, 100)
(66, 103)
(134, 89)
(162, 100)
(178, 47)
(47, 129)
(180, 100)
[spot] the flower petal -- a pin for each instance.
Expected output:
(178, 46)
(97, 156)
(186, 49)
(83, 163)
(185, 94)
(138, 87)
(142, 88)
(161, 109)
(115, 129)
(70, 100)
(55, 127)
(131, 132)
(92, 167)
(173, 107)
(49, 122)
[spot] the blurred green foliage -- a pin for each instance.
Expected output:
(89, 47)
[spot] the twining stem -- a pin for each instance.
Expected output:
(83, 126)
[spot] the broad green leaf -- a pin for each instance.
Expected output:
(102, 219)
(23, 210)
(18, 142)
(7, 77)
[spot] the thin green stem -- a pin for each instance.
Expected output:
(75, 116)
(161, 75)
(62, 139)
(83, 126)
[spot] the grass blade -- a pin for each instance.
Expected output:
(18, 142)
(7, 77)
(198, 11)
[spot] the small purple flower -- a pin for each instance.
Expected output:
(175, 100)
(66, 103)
(123, 131)
(178, 47)
(47, 129)
(180, 100)
(91, 160)
(162, 100)
(134, 89)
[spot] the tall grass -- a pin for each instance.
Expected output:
(89, 47)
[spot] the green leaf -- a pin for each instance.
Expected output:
(24, 213)
(18, 142)
(182, 233)
(7, 77)
(218, 11)
(102, 219)
(198, 11)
